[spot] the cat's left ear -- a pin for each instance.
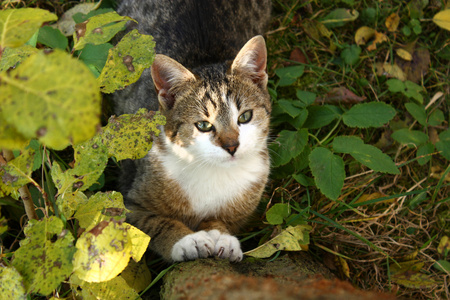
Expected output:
(251, 61)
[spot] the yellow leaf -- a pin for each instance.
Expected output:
(444, 246)
(392, 22)
(344, 266)
(404, 54)
(442, 19)
(379, 38)
(368, 197)
(390, 70)
(139, 241)
(363, 35)
(116, 288)
(66, 24)
(105, 250)
(406, 266)
(137, 275)
(290, 239)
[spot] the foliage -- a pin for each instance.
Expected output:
(50, 100)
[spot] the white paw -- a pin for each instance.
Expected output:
(227, 246)
(193, 246)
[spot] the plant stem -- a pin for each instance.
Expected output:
(24, 192)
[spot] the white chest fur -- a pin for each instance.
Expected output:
(209, 187)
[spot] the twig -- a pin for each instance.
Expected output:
(23, 191)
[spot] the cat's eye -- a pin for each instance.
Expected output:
(245, 117)
(204, 126)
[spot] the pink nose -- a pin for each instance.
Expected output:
(231, 148)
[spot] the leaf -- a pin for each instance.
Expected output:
(418, 112)
(407, 274)
(126, 61)
(11, 284)
(442, 265)
(340, 95)
(444, 246)
(45, 256)
(404, 54)
(413, 91)
(289, 75)
(98, 29)
(395, 85)
(424, 150)
(339, 16)
(328, 171)
(11, 57)
(94, 56)
(363, 35)
(305, 97)
(289, 145)
(372, 114)
(386, 69)
(68, 202)
(277, 213)
(368, 155)
(137, 275)
(289, 107)
(17, 172)
(379, 38)
(410, 137)
(91, 158)
(131, 136)
(52, 97)
(66, 23)
(436, 118)
(392, 22)
(350, 55)
(10, 138)
(443, 145)
(17, 26)
(290, 239)
(103, 252)
(116, 288)
(52, 38)
(416, 68)
(442, 19)
(88, 213)
(320, 116)
(303, 179)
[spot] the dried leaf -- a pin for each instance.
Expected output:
(392, 22)
(442, 19)
(340, 95)
(379, 38)
(66, 24)
(298, 56)
(404, 54)
(363, 35)
(390, 71)
(343, 266)
(417, 67)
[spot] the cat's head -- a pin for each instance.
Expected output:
(218, 114)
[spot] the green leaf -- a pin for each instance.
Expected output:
(328, 171)
(443, 144)
(126, 61)
(424, 149)
(130, 136)
(306, 98)
(116, 288)
(89, 212)
(319, 116)
(45, 256)
(372, 114)
(52, 97)
(350, 55)
(338, 17)
(303, 179)
(104, 250)
(277, 213)
(395, 85)
(98, 29)
(52, 38)
(436, 118)
(11, 284)
(37, 163)
(289, 107)
(11, 57)
(94, 56)
(368, 155)
(413, 91)
(91, 158)
(298, 121)
(410, 137)
(418, 112)
(17, 26)
(289, 75)
(68, 202)
(66, 24)
(288, 145)
(442, 265)
(290, 239)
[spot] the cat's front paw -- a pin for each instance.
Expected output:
(227, 246)
(193, 246)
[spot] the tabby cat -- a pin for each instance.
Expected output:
(207, 169)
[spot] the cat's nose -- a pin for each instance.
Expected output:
(231, 148)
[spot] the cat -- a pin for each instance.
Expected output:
(207, 169)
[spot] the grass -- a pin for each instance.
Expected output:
(380, 220)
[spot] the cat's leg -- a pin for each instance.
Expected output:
(226, 245)
(172, 239)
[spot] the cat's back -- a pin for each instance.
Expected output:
(199, 32)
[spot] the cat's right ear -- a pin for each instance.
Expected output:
(167, 74)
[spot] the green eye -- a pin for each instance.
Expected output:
(204, 126)
(245, 117)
